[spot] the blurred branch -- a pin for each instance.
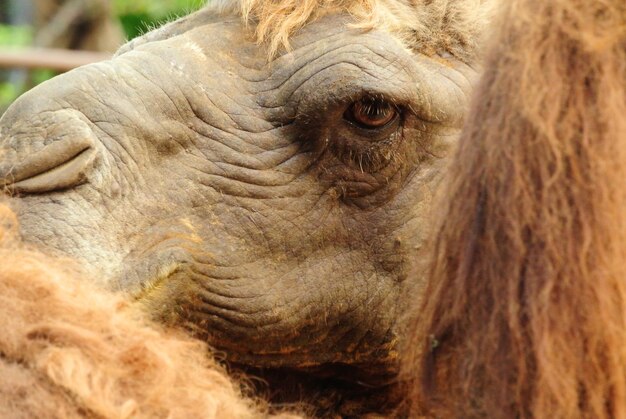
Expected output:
(50, 58)
(63, 19)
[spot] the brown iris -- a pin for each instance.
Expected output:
(371, 113)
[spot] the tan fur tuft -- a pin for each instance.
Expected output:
(69, 350)
(525, 313)
(427, 26)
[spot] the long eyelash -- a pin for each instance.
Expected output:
(376, 108)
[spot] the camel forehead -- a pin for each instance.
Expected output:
(453, 26)
(433, 27)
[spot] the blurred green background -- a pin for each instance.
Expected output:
(102, 24)
(137, 15)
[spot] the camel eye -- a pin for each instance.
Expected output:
(371, 113)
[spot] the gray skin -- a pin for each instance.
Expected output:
(235, 195)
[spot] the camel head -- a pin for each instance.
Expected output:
(258, 172)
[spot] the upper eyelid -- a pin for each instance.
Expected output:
(318, 108)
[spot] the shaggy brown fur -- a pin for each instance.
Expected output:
(69, 350)
(431, 26)
(525, 314)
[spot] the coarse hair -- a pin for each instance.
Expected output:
(524, 315)
(429, 26)
(69, 350)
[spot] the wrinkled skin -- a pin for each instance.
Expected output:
(232, 195)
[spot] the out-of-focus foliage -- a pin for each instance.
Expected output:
(15, 37)
(156, 8)
(136, 17)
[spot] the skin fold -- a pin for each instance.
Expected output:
(236, 196)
